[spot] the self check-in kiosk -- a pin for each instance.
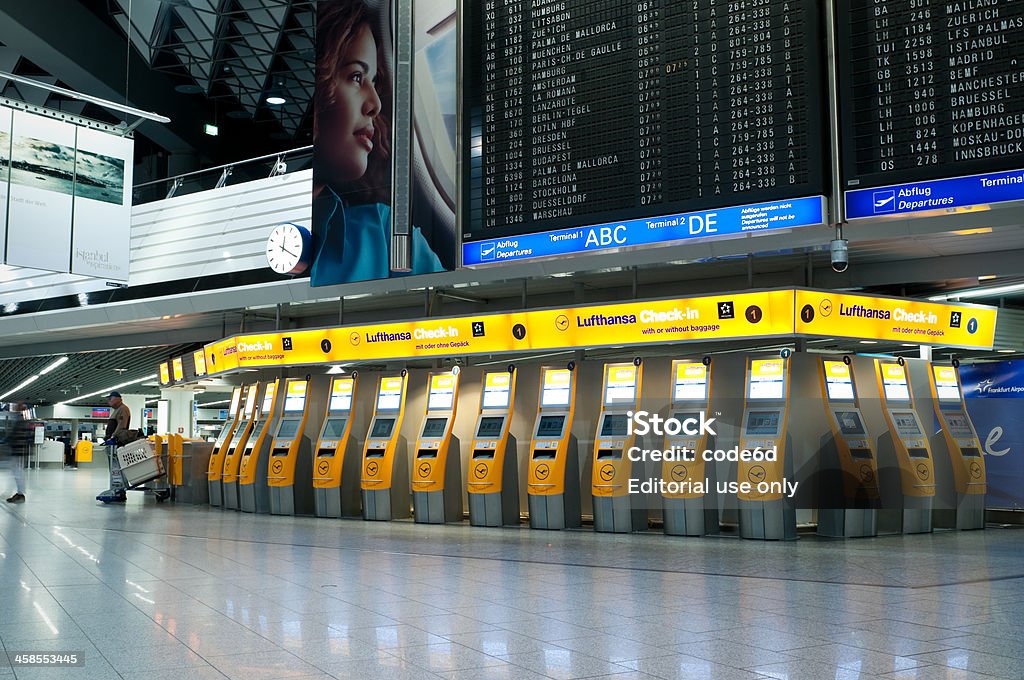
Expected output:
(232, 459)
(215, 468)
(385, 476)
(335, 468)
(850, 512)
(494, 468)
(913, 454)
(689, 509)
(764, 512)
(553, 484)
(290, 466)
(253, 491)
(437, 469)
(958, 436)
(191, 460)
(614, 510)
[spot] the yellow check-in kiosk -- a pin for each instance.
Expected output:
(437, 468)
(849, 506)
(764, 513)
(290, 465)
(913, 454)
(690, 510)
(385, 477)
(494, 467)
(553, 481)
(233, 458)
(958, 436)
(335, 468)
(215, 468)
(614, 507)
(253, 487)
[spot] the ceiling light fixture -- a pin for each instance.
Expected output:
(979, 292)
(108, 389)
(31, 379)
(973, 232)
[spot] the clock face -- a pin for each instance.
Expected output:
(288, 249)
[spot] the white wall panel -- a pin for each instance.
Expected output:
(220, 231)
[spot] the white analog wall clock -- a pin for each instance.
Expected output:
(289, 249)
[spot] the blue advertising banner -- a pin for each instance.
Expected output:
(995, 398)
(718, 223)
(941, 194)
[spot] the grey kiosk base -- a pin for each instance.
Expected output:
(296, 499)
(616, 515)
(442, 507)
(917, 515)
(847, 522)
(561, 511)
(195, 461)
(770, 520)
(255, 497)
(216, 492)
(969, 514)
(344, 499)
(382, 505)
(693, 516)
(500, 508)
(230, 492)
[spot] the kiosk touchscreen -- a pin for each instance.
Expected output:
(960, 439)
(253, 491)
(335, 468)
(913, 454)
(688, 510)
(763, 510)
(849, 513)
(614, 510)
(215, 467)
(437, 469)
(232, 459)
(290, 466)
(494, 467)
(553, 482)
(385, 476)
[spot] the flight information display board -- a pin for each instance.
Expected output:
(585, 113)
(929, 89)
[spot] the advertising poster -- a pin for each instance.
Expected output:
(102, 215)
(353, 166)
(994, 394)
(6, 117)
(41, 189)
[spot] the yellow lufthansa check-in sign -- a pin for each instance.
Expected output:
(879, 318)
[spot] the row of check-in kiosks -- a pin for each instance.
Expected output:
(268, 459)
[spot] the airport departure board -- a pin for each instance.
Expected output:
(929, 89)
(584, 112)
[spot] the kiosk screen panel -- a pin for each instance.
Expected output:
(434, 427)
(389, 396)
(268, 400)
(620, 384)
(288, 428)
(334, 428)
(382, 428)
(958, 425)
(442, 392)
(838, 381)
(946, 386)
(906, 424)
(550, 426)
(691, 382)
(894, 383)
(763, 423)
(557, 384)
(614, 425)
(250, 401)
(341, 394)
(295, 397)
(236, 398)
(497, 390)
(850, 424)
(767, 379)
(490, 427)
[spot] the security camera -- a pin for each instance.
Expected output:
(840, 249)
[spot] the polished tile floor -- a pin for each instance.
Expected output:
(158, 592)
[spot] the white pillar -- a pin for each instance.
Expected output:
(926, 352)
(179, 404)
(135, 403)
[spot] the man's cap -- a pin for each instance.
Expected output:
(114, 394)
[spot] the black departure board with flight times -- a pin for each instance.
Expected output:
(930, 89)
(584, 112)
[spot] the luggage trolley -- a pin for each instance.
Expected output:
(131, 467)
